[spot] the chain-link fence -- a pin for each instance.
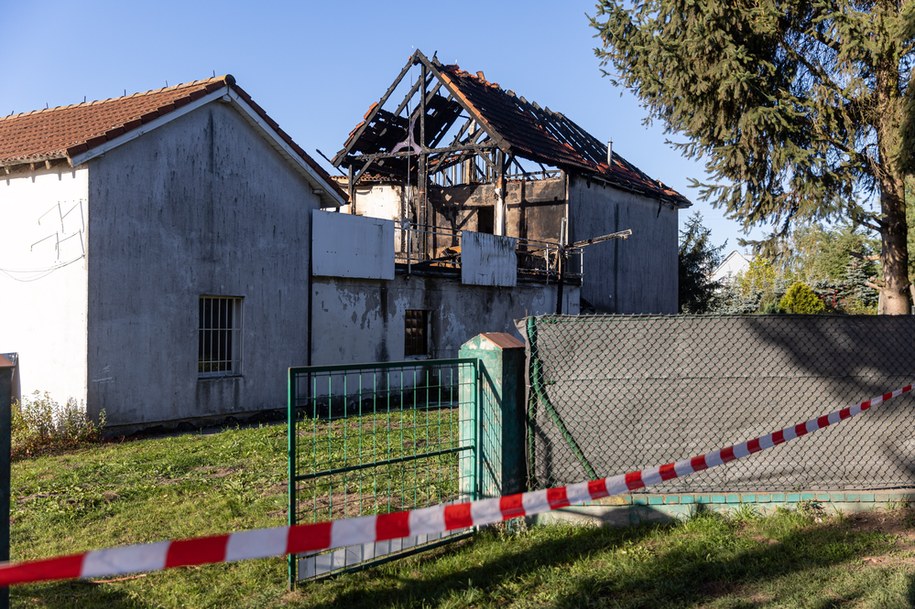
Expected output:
(613, 394)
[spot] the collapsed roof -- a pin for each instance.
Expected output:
(478, 116)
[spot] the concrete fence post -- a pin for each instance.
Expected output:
(500, 428)
(7, 370)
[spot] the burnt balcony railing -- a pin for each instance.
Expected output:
(440, 249)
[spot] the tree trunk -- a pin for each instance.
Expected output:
(894, 255)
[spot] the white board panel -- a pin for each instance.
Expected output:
(343, 245)
(488, 259)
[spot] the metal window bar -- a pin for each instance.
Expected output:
(219, 336)
(377, 438)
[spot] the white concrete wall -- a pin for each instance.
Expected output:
(488, 259)
(43, 279)
(638, 275)
(203, 205)
(376, 201)
(352, 246)
(358, 321)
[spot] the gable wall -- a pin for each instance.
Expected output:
(200, 206)
(638, 275)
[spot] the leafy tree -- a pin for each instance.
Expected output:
(801, 110)
(760, 282)
(698, 258)
(801, 299)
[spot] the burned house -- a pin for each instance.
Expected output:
(445, 153)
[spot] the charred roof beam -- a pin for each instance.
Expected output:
(407, 153)
(355, 135)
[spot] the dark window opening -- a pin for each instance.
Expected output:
(486, 220)
(416, 332)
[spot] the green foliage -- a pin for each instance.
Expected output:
(802, 300)
(837, 263)
(756, 290)
(40, 426)
(698, 258)
(800, 111)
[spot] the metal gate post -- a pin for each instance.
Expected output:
(501, 451)
(7, 368)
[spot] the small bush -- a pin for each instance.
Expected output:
(801, 299)
(40, 426)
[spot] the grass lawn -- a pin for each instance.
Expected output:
(195, 484)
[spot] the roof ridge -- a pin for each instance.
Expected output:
(226, 78)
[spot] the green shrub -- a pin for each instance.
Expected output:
(40, 426)
(800, 298)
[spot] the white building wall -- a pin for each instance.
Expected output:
(43, 279)
(201, 206)
(638, 275)
(377, 201)
(733, 265)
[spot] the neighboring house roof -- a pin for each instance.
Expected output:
(732, 265)
(516, 125)
(83, 131)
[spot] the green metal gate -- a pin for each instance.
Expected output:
(376, 438)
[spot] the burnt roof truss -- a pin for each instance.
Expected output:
(447, 120)
(429, 126)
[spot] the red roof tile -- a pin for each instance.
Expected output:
(65, 131)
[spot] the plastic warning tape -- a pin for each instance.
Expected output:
(279, 541)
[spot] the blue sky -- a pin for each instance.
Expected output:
(315, 67)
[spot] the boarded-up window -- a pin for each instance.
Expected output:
(219, 336)
(416, 332)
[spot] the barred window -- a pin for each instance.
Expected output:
(416, 332)
(219, 336)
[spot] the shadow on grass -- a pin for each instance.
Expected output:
(681, 576)
(677, 574)
(69, 594)
(518, 560)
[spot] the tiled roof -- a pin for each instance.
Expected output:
(68, 130)
(65, 131)
(545, 136)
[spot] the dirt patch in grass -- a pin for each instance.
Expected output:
(214, 471)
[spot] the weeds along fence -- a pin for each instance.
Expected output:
(618, 393)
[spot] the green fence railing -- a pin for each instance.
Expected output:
(377, 438)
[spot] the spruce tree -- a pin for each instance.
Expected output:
(697, 259)
(800, 110)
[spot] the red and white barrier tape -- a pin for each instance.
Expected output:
(278, 541)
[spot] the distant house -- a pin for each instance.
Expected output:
(733, 265)
(155, 252)
(446, 154)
